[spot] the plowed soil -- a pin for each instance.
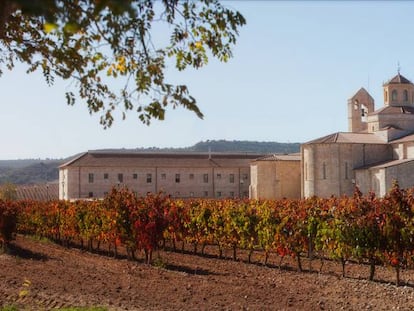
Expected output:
(62, 277)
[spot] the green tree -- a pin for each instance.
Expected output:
(96, 41)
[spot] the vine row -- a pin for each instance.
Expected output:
(368, 229)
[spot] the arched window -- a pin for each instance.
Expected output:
(405, 95)
(394, 95)
(356, 104)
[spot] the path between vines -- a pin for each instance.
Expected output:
(62, 277)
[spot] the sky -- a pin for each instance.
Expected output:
(295, 66)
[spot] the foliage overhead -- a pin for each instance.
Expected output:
(94, 42)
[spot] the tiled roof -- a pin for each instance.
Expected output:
(398, 79)
(161, 154)
(170, 159)
(364, 92)
(348, 138)
(280, 157)
(391, 127)
(74, 159)
(394, 110)
(40, 192)
(385, 164)
(405, 139)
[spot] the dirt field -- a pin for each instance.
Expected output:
(61, 277)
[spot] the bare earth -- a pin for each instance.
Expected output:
(62, 277)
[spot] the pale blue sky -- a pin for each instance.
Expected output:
(294, 67)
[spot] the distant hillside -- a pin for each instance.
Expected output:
(230, 146)
(37, 171)
(245, 146)
(20, 163)
(23, 172)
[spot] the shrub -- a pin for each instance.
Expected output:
(8, 215)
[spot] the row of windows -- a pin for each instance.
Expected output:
(91, 177)
(346, 170)
(218, 194)
(394, 95)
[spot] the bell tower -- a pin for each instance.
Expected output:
(399, 91)
(359, 106)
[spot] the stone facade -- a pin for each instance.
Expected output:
(276, 176)
(183, 175)
(328, 168)
(378, 149)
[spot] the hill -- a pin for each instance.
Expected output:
(228, 146)
(245, 146)
(22, 172)
(35, 171)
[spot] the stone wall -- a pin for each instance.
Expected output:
(94, 177)
(329, 169)
(275, 179)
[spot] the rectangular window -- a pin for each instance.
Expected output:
(245, 194)
(163, 176)
(244, 178)
(177, 178)
(90, 178)
(218, 176)
(134, 176)
(120, 177)
(149, 178)
(206, 193)
(90, 194)
(191, 176)
(232, 194)
(231, 178)
(306, 171)
(205, 178)
(106, 175)
(324, 170)
(218, 194)
(191, 194)
(346, 170)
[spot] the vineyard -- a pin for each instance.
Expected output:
(362, 229)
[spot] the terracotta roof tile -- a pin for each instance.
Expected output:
(171, 159)
(394, 110)
(280, 157)
(348, 138)
(384, 164)
(40, 192)
(398, 79)
(408, 138)
(362, 91)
